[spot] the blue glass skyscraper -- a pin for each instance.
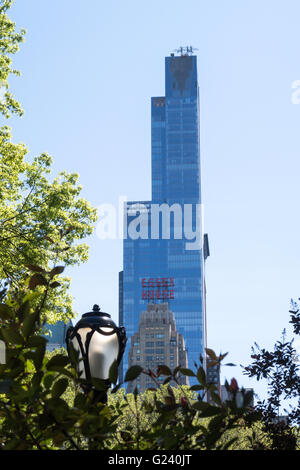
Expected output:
(169, 267)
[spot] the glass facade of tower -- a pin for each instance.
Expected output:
(157, 266)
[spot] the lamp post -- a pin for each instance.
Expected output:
(99, 343)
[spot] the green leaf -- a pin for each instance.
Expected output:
(113, 372)
(163, 370)
(35, 268)
(80, 401)
(55, 284)
(176, 370)
(37, 280)
(196, 388)
(39, 356)
(29, 323)
(222, 356)
(48, 380)
(23, 310)
(37, 341)
(216, 424)
(36, 380)
(201, 376)
(31, 296)
(216, 398)
(57, 361)
(59, 387)
(56, 270)
(206, 409)
(187, 372)
(211, 354)
(5, 312)
(132, 373)
(11, 335)
(228, 444)
(58, 406)
(99, 384)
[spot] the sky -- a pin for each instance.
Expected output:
(89, 70)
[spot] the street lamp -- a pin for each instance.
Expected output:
(99, 343)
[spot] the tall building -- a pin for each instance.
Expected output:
(157, 342)
(164, 248)
(56, 335)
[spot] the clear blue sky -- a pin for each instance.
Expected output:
(89, 70)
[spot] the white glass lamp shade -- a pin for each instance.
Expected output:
(103, 350)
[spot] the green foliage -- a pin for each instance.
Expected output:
(42, 222)
(9, 44)
(46, 408)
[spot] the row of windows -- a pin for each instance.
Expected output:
(185, 112)
(182, 101)
(150, 359)
(150, 343)
(185, 146)
(152, 351)
(177, 165)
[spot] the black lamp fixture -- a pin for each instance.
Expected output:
(99, 342)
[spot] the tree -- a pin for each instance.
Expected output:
(9, 44)
(41, 221)
(46, 407)
(280, 369)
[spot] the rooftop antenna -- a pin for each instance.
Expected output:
(188, 50)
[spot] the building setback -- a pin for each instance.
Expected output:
(157, 342)
(160, 268)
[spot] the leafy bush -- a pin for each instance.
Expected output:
(47, 408)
